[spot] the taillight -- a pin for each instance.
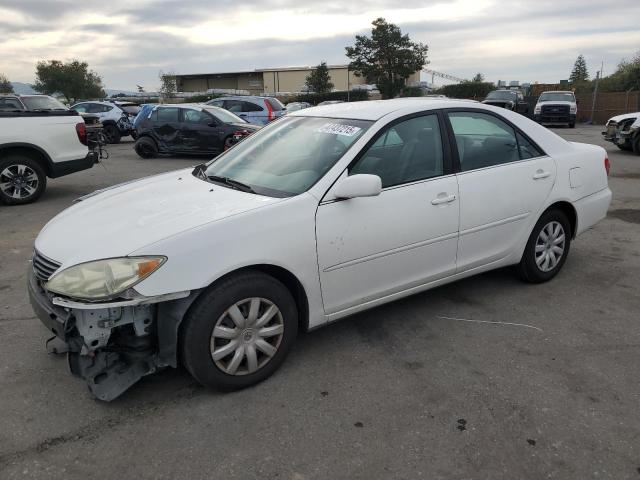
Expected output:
(607, 165)
(269, 109)
(81, 130)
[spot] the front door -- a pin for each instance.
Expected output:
(373, 247)
(200, 132)
(504, 180)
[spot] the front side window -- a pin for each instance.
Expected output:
(483, 140)
(82, 108)
(406, 152)
(196, 116)
(289, 156)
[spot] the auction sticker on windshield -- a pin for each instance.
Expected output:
(339, 129)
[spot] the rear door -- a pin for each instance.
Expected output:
(504, 180)
(167, 128)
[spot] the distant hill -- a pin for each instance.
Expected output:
(23, 88)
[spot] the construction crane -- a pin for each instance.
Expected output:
(446, 76)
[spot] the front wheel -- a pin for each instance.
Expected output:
(239, 331)
(22, 180)
(547, 248)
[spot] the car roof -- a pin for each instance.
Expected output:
(557, 91)
(376, 109)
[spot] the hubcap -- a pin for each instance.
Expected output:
(18, 181)
(246, 336)
(550, 246)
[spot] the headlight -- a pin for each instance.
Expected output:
(573, 109)
(537, 110)
(103, 279)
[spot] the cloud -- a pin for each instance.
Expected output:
(523, 40)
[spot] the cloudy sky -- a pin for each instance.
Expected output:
(128, 42)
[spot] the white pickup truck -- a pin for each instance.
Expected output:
(37, 145)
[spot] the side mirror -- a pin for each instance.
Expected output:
(213, 123)
(361, 185)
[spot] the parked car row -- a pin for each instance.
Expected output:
(552, 108)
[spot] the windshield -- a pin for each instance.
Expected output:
(557, 97)
(501, 95)
(225, 116)
(288, 156)
(43, 102)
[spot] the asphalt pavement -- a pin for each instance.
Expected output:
(433, 386)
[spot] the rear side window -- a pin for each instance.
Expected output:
(276, 104)
(168, 114)
(250, 107)
(526, 148)
(483, 140)
(234, 106)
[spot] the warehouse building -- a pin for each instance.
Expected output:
(269, 80)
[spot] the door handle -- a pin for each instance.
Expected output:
(541, 174)
(443, 198)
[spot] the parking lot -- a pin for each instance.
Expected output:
(488, 377)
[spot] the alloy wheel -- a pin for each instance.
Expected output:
(246, 336)
(550, 246)
(18, 181)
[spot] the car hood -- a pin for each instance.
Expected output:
(619, 118)
(496, 100)
(121, 220)
(551, 102)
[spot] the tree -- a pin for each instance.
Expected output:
(579, 73)
(387, 58)
(168, 84)
(478, 78)
(319, 80)
(5, 84)
(73, 80)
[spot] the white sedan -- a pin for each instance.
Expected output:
(322, 214)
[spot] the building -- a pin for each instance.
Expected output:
(269, 80)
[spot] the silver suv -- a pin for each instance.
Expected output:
(254, 109)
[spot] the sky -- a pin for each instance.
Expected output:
(128, 42)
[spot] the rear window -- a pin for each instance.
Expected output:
(132, 109)
(275, 104)
(43, 102)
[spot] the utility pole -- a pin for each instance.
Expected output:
(595, 92)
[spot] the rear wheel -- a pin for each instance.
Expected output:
(112, 133)
(636, 145)
(146, 147)
(239, 331)
(547, 248)
(22, 180)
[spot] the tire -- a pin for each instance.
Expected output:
(229, 142)
(533, 268)
(213, 359)
(636, 144)
(134, 135)
(625, 147)
(572, 125)
(31, 179)
(112, 133)
(146, 147)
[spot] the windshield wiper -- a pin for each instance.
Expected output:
(200, 171)
(243, 187)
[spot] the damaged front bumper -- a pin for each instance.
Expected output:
(112, 345)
